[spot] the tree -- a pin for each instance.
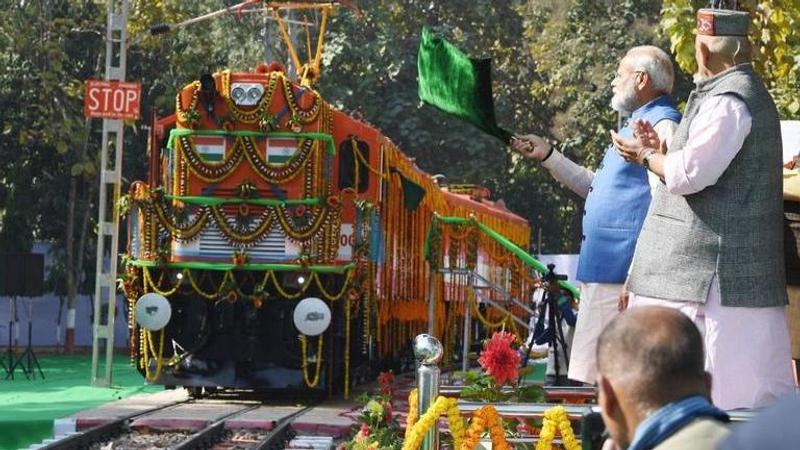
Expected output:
(775, 34)
(576, 47)
(46, 140)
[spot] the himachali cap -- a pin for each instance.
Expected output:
(722, 22)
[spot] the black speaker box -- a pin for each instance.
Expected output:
(21, 274)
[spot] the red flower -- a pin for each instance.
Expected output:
(499, 360)
(385, 380)
(364, 431)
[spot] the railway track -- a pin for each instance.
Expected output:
(193, 424)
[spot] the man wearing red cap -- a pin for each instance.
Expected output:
(712, 243)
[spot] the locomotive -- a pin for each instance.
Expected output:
(290, 241)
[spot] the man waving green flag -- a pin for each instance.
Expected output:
(457, 84)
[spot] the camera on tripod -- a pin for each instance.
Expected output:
(554, 307)
(551, 276)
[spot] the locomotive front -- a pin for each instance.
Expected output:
(248, 212)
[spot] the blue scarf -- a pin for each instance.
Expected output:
(666, 421)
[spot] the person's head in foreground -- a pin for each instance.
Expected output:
(650, 358)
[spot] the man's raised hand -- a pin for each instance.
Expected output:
(531, 146)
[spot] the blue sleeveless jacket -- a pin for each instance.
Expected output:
(617, 205)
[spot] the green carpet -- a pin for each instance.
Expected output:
(538, 374)
(28, 407)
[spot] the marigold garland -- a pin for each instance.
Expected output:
(245, 148)
(228, 279)
(456, 425)
(346, 347)
(149, 350)
(415, 436)
(321, 217)
(304, 355)
(487, 416)
(188, 116)
(477, 312)
(413, 410)
(556, 418)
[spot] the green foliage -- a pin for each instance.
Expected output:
(48, 48)
(775, 34)
(574, 48)
(378, 428)
(481, 387)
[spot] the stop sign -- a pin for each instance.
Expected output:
(112, 99)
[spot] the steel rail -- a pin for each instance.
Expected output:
(209, 435)
(86, 438)
(280, 432)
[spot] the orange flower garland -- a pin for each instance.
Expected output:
(483, 418)
(462, 440)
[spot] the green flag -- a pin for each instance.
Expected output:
(457, 84)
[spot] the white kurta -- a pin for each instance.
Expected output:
(747, 349)
(598, 300)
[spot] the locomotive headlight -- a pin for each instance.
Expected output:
(153, 311)
(312, 316)
(237, 94)
(246, 94)
(253, 94)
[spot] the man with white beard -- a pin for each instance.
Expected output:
(617, 197)
(712, 243)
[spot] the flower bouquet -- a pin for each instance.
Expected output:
(378, 428)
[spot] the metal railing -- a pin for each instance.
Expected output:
(428, 352)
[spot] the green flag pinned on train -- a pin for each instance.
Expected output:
(457, 84)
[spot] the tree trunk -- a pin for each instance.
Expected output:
(74, 263)
(72, 288)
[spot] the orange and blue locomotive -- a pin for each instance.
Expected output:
(289, 240)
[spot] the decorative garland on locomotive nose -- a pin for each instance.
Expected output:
(253, 207)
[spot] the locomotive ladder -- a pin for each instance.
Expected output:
(479, 285)
(105, 290)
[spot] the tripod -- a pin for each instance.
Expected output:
(28, 360)
(554, 320)
(8, 355)
(553, 333)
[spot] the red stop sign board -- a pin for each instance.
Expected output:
(112, 99)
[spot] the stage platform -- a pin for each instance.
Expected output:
(29, 407)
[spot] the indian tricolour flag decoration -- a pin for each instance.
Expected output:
(210, 148)
(280, 150)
